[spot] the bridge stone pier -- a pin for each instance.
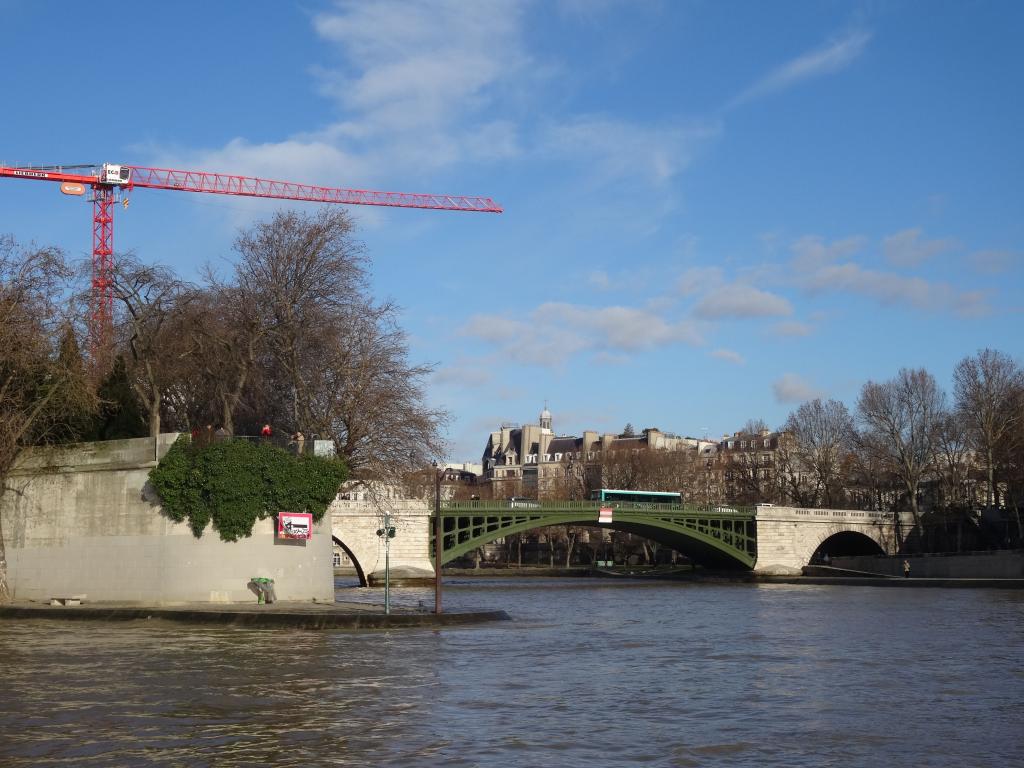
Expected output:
(787, 537)
(354, 526)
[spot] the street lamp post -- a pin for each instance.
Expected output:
(438, 538)
(387, 533)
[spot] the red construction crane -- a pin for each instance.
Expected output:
(111, 184)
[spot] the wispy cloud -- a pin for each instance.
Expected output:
(907, 249)
(893, 290)
(699, 279)
(811, 252)
(615, 149)
(729, 356)
(830, 57)
(554, 332)
(420, 88)
(791, 328)
(791, 388)
(994, 262)
(739, 300)
(827, 268)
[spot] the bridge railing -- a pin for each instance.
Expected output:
(523, 505)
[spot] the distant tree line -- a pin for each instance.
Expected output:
(955, 462)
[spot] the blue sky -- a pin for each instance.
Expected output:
(712, 210)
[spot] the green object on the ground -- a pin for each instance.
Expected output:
(264, 589)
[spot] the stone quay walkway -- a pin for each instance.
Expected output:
(278, 615)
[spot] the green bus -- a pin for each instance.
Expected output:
(637, 497)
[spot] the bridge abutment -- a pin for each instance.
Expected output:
(787, 537)
(355, 523)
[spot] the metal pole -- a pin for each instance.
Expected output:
(387, 563)
(438, 540)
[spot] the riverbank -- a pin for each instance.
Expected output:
(277, 615)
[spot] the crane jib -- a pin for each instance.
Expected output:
(251, 186)
(107, 178)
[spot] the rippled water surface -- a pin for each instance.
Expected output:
(590, 673)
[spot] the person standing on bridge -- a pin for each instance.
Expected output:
(906, 569)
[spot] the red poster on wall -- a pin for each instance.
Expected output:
(294, 525)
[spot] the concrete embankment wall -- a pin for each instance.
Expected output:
(974, 565)
(83, 519)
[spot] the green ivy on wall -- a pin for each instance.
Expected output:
(234, 483)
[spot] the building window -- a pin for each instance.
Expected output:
(558, 457)
(767, 443)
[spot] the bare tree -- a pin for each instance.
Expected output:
(793, 480)
(755, 427)
(364, 393)
(954, 458)
(41, 390)
(822, 434)
(899, 420)
(988, 389)
(305, 272)
(226, 328)
(151, 328)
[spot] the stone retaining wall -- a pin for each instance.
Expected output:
(83, 519)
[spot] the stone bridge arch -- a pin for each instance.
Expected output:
(354, 558)
(787, 537)
(354, 524)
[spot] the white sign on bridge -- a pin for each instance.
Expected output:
(604, 515)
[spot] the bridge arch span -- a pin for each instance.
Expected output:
(355, 561)
(713, 539)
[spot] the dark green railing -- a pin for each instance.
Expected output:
(716, 536)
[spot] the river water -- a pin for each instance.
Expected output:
(589, 673)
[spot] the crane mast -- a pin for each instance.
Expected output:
(111, 183)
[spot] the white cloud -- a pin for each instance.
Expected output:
(906, 249)
(895, 290)
(815, 264)
(993, 262)
(698, 280)
(599, 279)
(791, 388)
(555, 331)
(729, 356)
(791, 328)
(420, 88)
(831, 57)
(811, 251)
(420, 64)
(615, 149)
(742, 300)
(618, 328)
(464, 374)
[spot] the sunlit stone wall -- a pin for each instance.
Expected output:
(83, 520)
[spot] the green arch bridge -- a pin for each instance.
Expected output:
(715, 536)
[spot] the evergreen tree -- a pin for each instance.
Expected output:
(120, 415)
